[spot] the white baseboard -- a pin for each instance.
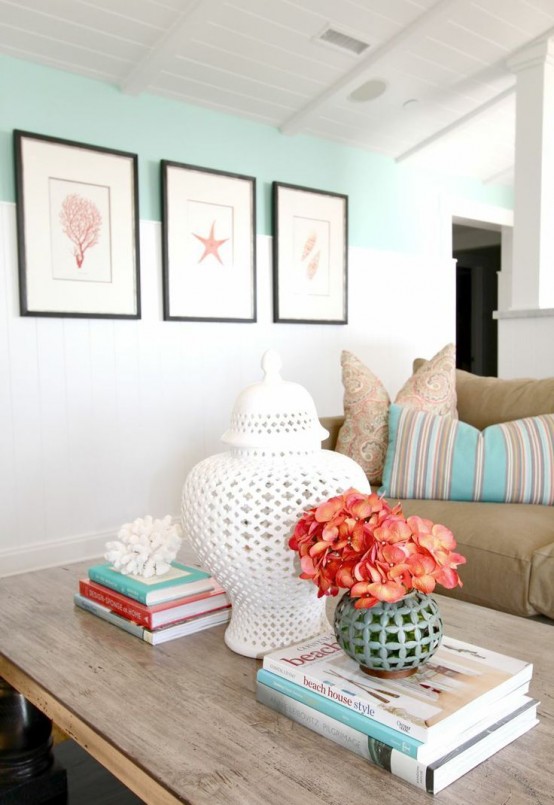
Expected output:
(67, 551)
(56, 552)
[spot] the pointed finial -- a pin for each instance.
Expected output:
(271, 365)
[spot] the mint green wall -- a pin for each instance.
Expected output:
(385, 199)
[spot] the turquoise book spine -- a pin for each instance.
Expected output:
(141, 591)
(388, 735)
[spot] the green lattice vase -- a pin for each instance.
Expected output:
(389, 640)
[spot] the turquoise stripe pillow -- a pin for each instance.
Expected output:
(439, 458)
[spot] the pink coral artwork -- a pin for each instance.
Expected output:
(80, 231)
(81, 223)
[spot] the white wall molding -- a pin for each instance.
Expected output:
(466, 210)
(532, 313)
(54, 552)
(459, 210)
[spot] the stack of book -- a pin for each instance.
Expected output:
(157, 609)
(460, 708)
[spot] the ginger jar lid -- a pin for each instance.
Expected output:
(275, 414)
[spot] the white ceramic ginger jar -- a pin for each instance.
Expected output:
(239, 509)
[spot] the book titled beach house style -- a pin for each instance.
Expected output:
(395, 739)
(448, 692)
(179, 581)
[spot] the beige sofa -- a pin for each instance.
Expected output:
(509, 547)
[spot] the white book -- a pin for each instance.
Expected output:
(447, 692)
(425, 752)
(162, 634)
(431, 777)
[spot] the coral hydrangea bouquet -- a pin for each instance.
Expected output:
(361, 543)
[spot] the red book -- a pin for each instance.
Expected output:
(155, 615)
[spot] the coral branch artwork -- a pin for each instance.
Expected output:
(78, 229)
(81, 222)
(211, 244)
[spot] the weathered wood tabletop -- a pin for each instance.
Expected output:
(179, 722)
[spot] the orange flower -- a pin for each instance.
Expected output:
(363, 544)
(393, 529)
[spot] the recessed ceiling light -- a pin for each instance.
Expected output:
(369, 91)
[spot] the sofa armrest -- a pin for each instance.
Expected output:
(332, 424)
(541, 593)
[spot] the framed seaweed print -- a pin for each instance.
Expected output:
(310, 255)
(77, 224)
(208, 244)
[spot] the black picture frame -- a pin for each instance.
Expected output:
(310, 255)
(208, 244)
(77, 213)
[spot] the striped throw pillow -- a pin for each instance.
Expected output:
(438, 458)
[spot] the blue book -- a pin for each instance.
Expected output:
(162, 634)
(180, 581)
(450, 762)
(394, 739)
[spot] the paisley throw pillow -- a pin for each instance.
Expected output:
(364, 434)
(432, 388)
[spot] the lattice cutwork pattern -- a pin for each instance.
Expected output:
(239, 510)
(390, 637)
(258, 423)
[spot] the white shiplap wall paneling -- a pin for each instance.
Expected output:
(102, 419)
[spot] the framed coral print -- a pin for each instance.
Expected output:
(310, 255)
(77, 229)
(208, 244)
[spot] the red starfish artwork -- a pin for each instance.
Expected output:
(211, 245)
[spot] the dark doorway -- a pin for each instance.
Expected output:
(478, 255)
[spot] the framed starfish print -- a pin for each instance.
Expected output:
(208, 244)
(310, 249)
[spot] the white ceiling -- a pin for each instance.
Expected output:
(449, 100)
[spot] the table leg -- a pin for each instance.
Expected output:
(28, 772)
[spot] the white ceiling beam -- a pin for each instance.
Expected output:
(488, 74)
(352, 79)
(165, 49)
(456, 124)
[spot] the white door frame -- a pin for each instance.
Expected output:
(459, 210)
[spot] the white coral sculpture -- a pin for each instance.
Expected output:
(145, 547)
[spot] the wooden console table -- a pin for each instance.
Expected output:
(179, 722)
